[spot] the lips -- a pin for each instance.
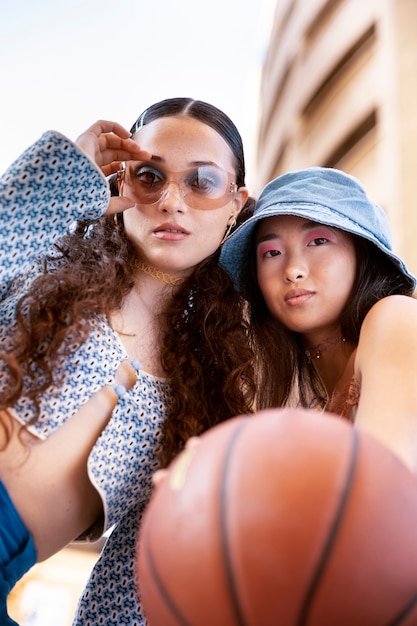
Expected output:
(298, 296)
(171, 232)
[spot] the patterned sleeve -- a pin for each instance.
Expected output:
(52, 184)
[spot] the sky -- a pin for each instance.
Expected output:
(66, 64)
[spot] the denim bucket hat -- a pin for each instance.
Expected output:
(323, 195)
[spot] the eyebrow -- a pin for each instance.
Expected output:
(309, 225)
(266, 238)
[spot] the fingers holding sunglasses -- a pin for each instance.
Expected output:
(115, 150)
(108, 144)
(118, 204)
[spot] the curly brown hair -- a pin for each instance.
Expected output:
(205, 349)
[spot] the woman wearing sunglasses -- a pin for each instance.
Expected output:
(140, 283)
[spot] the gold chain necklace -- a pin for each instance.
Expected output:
(164, 277)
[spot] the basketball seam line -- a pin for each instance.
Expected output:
(336, 524)
(405, 612)
(161, 587)
(223, 528)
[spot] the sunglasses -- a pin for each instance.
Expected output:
(203, 187)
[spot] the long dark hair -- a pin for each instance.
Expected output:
(284, 371)
(205, 349)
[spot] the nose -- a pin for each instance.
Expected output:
(295, 268)
(171, 199)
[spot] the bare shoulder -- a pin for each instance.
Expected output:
(386, 366)
(391, 324)
(394, 303)
(390, 310)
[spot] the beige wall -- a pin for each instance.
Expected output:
(339, 89)
(405, 19)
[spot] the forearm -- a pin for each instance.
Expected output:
(52, 184)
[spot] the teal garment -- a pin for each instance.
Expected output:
(17, 551)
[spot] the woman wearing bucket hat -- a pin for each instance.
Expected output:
(330, 304)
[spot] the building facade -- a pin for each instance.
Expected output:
(339, 89)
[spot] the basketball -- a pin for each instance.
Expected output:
(284, 518)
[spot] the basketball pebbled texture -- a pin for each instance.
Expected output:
(285, 518)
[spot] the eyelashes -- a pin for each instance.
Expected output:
(266, 250)
(276, 246)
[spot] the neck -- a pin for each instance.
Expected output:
(164, 277)
(333, 360)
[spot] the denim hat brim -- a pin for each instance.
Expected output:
(322, 195)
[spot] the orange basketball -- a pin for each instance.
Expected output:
(285, 518)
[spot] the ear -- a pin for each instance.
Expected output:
(239, 202)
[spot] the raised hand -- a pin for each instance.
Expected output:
(108, 144)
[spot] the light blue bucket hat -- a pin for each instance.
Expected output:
(319, 194)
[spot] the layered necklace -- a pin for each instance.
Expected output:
(164, 277)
